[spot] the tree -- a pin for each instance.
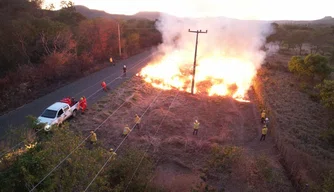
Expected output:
(280, 35)
(312, 65)
(296, 65)
(327, 93)
(298, 38)
(316, 64)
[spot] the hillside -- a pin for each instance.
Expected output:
(328, 20)
(92, 13)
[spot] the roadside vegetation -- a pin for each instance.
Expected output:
(301, 71)
(41, 50)
(22, 171)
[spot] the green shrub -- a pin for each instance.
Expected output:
(327, 93)
(310, 66)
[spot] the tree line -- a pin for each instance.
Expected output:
(313, 62)
(314, 39)
(40, 48)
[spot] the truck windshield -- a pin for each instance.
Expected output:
(49, 113)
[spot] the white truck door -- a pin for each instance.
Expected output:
(61, 116)
(67, 112)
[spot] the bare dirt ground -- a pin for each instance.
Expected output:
(181, 156)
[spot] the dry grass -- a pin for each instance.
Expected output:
(181, 156)
(297, 122)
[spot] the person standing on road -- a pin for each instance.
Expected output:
(111, 61)
(137, 121)
(264, 133)
(104, 86)
(126, 130)
(124, 70)
(196, 127)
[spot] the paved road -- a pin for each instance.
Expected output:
(88, 86)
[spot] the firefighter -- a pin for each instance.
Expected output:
(196, 127)
(82, 104)
(264, 133)
(112, 153)
(137, 121)
(93, 138)
(124, 70)
(263, 116)
(266, 121)
(66, 100)
(104, 86)
(126, 130)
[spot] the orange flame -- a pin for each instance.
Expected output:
(215, 74)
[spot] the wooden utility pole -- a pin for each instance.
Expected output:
(194, 68)
(119, 40)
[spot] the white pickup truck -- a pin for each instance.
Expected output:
(57, 113)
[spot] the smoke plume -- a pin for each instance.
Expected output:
(229, 53)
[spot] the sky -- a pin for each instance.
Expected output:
(239, 9)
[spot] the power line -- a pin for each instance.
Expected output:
(150, 145)
(80, 145)
(194, 68)
(77, 95)
(120, 144)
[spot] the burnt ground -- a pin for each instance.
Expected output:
(181, 157)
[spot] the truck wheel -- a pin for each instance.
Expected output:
(74, 113)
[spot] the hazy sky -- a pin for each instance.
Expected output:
(241, 9)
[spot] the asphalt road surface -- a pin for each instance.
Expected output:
(89, 86)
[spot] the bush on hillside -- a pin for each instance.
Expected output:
(327, 93)
(311, 66)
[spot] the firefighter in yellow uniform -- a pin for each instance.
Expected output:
(137, 121)
(126, 130)
(264, 133)
(263, 116)
(93, 138)
(196, 127)
(112, 153)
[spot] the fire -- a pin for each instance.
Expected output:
(215, 74)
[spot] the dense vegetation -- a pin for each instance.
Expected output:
(22, 173)
(41, 49)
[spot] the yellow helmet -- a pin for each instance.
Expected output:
(91, 131)
(111, 149)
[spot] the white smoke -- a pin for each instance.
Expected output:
(225, 37)
(228, 54)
